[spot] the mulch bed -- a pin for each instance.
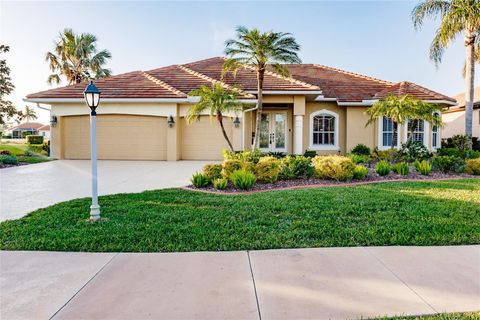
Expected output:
(372, 177)
(4, 166)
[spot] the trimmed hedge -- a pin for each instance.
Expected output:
(34, 139)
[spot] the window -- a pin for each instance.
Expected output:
(418, 132)
(388, 137)
(323, 130)
(435, 135)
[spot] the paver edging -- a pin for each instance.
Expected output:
(326, 185)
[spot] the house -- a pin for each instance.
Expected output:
(454, 117)
(141, 115)
(44, 131)
(23, 129)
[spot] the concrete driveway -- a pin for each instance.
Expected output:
(27, 188)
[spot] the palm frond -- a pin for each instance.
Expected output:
(428, 9)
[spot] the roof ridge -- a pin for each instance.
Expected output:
(162, 83)
(425, 90)
(358, 75)
(214, 81)
(290, 79)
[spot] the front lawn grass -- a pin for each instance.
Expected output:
(14, 149)
(398, 213)
(440, 316)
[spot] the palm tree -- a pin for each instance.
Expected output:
(260, 49)
(400, 109)
(76, 58)
(457, 16)
(28, 114)
(216, 100)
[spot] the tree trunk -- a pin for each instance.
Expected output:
(469, 80)
(411, 129)
(394, 144)
(220, 120)
(256, 139)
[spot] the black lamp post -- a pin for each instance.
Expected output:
(92, 98)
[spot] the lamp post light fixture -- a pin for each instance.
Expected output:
(92, 98)
(170, 121)
(236, 122)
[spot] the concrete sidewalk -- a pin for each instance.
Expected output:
(324, 283)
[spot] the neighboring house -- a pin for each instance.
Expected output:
(44, 131)
(22, 129)
(319, 108)
(454, 117)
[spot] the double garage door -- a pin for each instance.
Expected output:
(131, 137)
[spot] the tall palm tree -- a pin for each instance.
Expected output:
(401, 109)
(76, 58)
(28, 114)
(457, 16)
(260, 49)
(217, 101)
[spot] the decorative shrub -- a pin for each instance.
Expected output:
(414, 150)
(382, 168)
(401, 168)
(29, 153)
(230, 166)
(459, 165)
(385, 155)
(213, 171)
(461, 141)
(243, 180)
(242, 156)
(34, 139)
(360, 172)
(473, 166)
(443, 163)
(8, 159)
(454, 152)
(5, 153)
(361, 150)
(199, 180)
(292, 167)
(424, 167)
(357, 158)
(472, 154)
(310, 153)
(220, 184)
(267, 169)
(278, 155)
(333, 167)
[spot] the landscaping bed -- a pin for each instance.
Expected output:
(421, 213)
(19, 154)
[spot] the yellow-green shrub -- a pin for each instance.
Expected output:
(220, 184)
(333, 167)
(230, 166)
(473, 166)
(213, 171)
(267, 169)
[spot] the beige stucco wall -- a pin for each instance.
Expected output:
(356, 131)
(455, 123)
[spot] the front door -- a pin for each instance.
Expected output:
(273, 128)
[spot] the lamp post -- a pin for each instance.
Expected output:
(92, 98)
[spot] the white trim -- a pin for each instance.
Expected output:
(439, 135)
(319, 147)
(298, 135)
(371, 102)
(322, 98)
(380, 145)
(293, 92)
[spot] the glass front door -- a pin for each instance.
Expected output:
(273, 128)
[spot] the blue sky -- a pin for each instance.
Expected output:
(374, 38)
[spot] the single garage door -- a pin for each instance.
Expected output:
(203, 139)
(119, 137)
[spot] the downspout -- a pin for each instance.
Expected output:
(243, 125)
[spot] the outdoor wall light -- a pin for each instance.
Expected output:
(92, 98)
(170, 121)
(53, 121)
(236, 122)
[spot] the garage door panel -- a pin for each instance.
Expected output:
(119, 137)
(203, 139)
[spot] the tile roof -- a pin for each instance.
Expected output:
(44, 128)
(28, 125)
(176, 81)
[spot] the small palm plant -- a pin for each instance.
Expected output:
(217, 100)
(456, 17)
(260, 49)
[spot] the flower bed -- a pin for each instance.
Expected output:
(372, 177)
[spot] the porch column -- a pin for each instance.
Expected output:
(174, 135)
(299, 115)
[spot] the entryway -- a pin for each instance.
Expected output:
(273, 128)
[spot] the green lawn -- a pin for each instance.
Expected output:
(19, 150)
(441, 316)
(400, 213)
(15, 149)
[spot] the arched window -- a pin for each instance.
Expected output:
(324, 130)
